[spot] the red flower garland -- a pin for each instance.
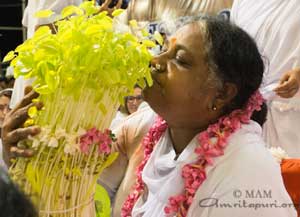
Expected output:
(193, 174)
(94, 136)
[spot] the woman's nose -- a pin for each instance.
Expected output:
(158, 64)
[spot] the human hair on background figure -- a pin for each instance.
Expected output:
(13, 202)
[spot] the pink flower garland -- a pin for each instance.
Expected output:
(193, 174)
(95, 137)
(149, 142)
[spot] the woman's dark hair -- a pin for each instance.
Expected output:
(6, 92)
(234, 57)
(13, 203)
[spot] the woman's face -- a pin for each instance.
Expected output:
(182, 92)
(135, 100)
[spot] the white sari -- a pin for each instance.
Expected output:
(245, 170)
(275, 26)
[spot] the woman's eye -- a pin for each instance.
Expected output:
(180, 60)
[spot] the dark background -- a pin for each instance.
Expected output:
(11, 33)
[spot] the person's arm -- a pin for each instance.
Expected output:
(289, 84)
(112, 176)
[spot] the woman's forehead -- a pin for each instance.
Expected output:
(190, 36)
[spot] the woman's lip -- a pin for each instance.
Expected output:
(153, 76)
(154, 81)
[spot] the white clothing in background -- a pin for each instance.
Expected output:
(2, 163)
(33, 6)
(275, 26)
(246, 166)
(120, 116)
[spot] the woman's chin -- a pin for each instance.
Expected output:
(149, 93)
(154, 99)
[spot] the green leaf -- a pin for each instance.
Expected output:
(95, 29)
(43, 14)
(149, 79)
(158, 37)
(133, 23)
(149, 43)
(9, 56)
(32, 112)
(88, 7)
(101, 15)
(43, 90)
(102, 202)
(145, 33)
(52, 80)
(70, 10)
(117, 12)
(41, 32)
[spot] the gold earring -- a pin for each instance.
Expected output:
(214, 108)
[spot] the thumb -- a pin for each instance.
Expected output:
(27, 90)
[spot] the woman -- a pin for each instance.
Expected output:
(131, 105)
(206, 152)
(264, 21)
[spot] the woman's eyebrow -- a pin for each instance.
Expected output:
(181, 47)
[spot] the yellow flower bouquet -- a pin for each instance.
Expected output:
(82, 72)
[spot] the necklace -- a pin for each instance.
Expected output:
(212, 143)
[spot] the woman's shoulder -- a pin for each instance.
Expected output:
(247, 173)
(246, 161)
(248, 152)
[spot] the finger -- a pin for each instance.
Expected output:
(106, 4)
(287, 85)
(21, 152)
(18, 118)
(20, 134)
(285, 95)
(109, 11)
(284, 78)
(295, 86)
(119, 4)
(26, 100)
(288, 94)
(27, 90)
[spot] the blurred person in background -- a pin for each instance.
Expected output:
(275, 25)
(131, 104)
(5, 96)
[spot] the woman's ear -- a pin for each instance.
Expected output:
(225, 96)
